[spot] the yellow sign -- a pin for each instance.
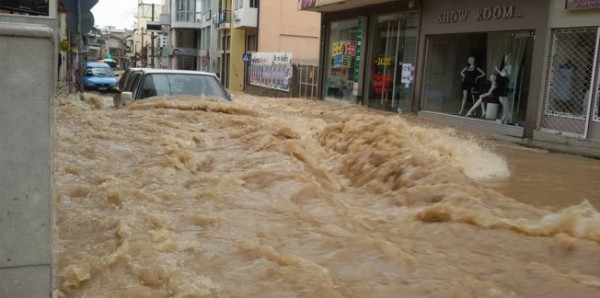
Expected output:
(384, 61)
(64, 45)
(336, 49)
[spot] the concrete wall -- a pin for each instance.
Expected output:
(236, 66)
(27, 86)
(563, 18)
(284, 28)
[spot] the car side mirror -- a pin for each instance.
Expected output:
(125, 100)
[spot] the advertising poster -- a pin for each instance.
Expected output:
(271, 70)
(343, 48)
(407, 74)
(343, 53)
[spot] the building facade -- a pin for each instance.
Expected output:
(437, 58)
(369, 51)
(141, 39)
(248, 26)
(570, 101)
(506, 40)
(188, 41)
(116, 46)
(215, 35)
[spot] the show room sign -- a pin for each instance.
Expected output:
(500, 12)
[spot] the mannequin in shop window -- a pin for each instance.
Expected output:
(503, 81)
(470, 75)
(491, 96)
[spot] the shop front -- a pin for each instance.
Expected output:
(480, 67)
(571, 101)
(369, 53)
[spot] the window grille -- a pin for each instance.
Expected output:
(570, 74)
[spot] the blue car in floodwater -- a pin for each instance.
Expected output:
(99, 76)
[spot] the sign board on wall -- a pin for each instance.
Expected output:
(306, 4)
(271, 70)
(582, 4)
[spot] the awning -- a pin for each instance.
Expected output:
(339, 5)
(184, 52)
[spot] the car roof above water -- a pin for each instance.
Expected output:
(97, 65)
(173, 71)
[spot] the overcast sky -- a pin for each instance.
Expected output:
(118, 13)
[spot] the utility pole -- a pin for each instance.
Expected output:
(79, 56)
(152, 41)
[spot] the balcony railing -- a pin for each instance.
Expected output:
(189, 16)
(222, 19)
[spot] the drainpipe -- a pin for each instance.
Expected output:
(258, 23)
(322, 58)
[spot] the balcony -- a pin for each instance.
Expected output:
(222, 20)
(245, 17)
(191, 19)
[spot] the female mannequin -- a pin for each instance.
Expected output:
(470, 74)
(503, 86)
(489, 97)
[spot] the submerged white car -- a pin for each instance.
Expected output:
(145, 82)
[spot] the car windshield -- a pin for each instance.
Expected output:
(162, 84)
(101, 71)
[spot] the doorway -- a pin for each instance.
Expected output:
(391, 64)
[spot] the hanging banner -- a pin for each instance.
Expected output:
(582, 4)
(271, 70)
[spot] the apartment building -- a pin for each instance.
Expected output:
(248, 26)
(115, 45)
(188, 41)
(140, 42)
(215, 35)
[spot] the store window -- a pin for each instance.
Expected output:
(572, 85)
(571, 72)
(393, 45)
(461, 69)
(341, 60)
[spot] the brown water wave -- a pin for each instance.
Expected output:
(293, 198)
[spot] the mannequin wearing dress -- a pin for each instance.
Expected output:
(470, 75)
(503, 74)
(491, 96)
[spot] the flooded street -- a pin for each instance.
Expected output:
(549, 180)
(294, 198)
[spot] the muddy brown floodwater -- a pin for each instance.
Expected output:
(294, 198)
